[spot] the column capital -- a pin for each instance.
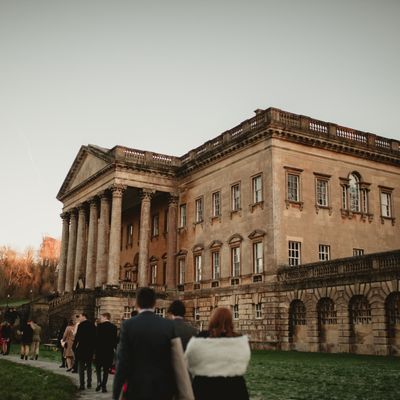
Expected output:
(173, 199)
(65, 216)
(81, 207)
(92, 201)
(117, 190)
(103, 195)
(73, 212)
(147, 194)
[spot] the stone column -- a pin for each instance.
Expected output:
(171, 241)
(145, 226)
(115, 236)
(80, 246)
(91, 247)
(102, 240)
(64, 253)
(69, 276)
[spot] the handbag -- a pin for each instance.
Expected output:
(182, 377)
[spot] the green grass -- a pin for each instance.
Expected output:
(13, 303)
(309, 376)
(44, 355)
(21, 382)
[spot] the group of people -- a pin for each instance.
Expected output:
(151, 366)
(30, 335)
(6, 330)
(82, 342)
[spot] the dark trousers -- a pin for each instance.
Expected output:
(85, 365)
(102, 380)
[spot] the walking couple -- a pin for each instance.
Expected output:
(150, 358)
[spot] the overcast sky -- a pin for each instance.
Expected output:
(168, 75)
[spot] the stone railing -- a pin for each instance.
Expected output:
(128, 286)
(371, 263)
(61, 300)
(145, 157)
(273, 117)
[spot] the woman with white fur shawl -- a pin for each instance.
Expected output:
(217, 360)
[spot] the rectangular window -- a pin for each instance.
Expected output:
(235, 194)
(386, 204)
(216, 204)
(127, 312)
(258, 257)
(129, 235)
(155, 225)
(199, 210)
(181, 271)
(197, 268)
(196, 314)
(358, 252)
(235, 311)
(364, 201)
(160, 312)
(164, 273)
(258, 312)
(215, 265)
(344, 197)
(182, 215)
(324, 252)
(235, 262)
(166, 221)
(153, 279)
(293, 187)
(257, 189)
(322, 192)
(294, 253)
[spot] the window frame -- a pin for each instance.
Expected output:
(199, 210)
(236, 201)
(216, 211)
(256, 269)
(321, 252)
(234, 264)
(291, 258)
(216, 277)
(298, 202)
(383, 190)
(182, 215)
(155, 225)
(254, 190)
(197, 267)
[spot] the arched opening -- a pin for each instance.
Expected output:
(327, 325)
(362, 337)
(392, 311)
(298, 325)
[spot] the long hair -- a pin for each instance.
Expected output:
(221, 323)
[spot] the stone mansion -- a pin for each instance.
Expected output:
(287, 220)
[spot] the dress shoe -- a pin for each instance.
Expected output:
(103, 390)
(89, 385)
(69, 369)
(98, 387)
(81, 388)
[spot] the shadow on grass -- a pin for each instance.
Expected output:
(21, 382)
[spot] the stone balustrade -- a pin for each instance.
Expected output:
(345, 267)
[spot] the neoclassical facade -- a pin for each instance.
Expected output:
(288, 220)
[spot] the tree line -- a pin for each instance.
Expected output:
(31, 273)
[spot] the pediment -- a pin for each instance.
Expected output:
(88, 162)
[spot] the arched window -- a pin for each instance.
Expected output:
(354, 192)
(326, 312)
(297, 316)
(360, 310)
(392, 308)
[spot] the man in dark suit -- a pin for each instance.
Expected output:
(182, 329)
(83, 348)
(106, 342)
(144, 353)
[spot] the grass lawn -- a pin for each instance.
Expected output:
(13, 303)
(45, 355)
(21, 382)
(309, 376)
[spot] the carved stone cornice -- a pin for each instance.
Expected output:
(173, 199)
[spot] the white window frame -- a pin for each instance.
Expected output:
(153, 274)
(293, 187)
(324, 252)
(235, 197)
(181, 271)
(322, 192)
(155, 225)
(235, 311)
(216, 264)
(294, 252)
(182, 215)
(258, 311)
(257, 186)
(216, 204)
(199, 210)
(386, 203)
(160, 311)
(129, 231)
(196, 313)
(235, 261)
(358, 252)
(258, 257)
(197, 268)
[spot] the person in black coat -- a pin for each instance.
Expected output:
(182, 328)
(106, 342)
(144, 353)
(26, 340)
(83, 348)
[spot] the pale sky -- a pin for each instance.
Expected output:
(169, 75)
